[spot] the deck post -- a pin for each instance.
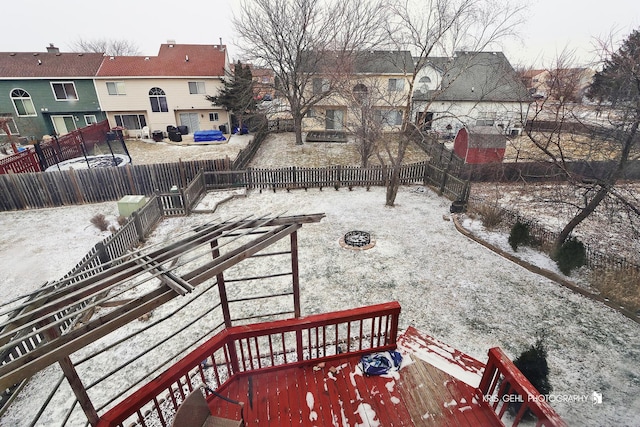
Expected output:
(224, 303)
(222, 290)
(74, 381)
(295, 273)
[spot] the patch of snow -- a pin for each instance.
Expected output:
(448, 286)
(367, 415)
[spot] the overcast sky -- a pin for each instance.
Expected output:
(30, 25)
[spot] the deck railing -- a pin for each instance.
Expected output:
(263, 346)
(503, 385)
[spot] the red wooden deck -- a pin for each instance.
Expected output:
(338, 394)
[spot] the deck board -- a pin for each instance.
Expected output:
(338, 394)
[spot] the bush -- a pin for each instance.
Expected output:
(533, 365)
(491, 215)
(519, 235)
(571, 255)
(100, 222)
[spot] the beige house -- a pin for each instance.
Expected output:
(147, 94)
(375, 86)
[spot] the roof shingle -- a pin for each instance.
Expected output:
(173, 60)
(49, 64)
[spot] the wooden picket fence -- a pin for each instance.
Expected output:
(338, 176)
(596, 260)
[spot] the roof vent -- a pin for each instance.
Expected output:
(186, 58)
(146, 58)
(111, 58)
(36, 54)
(12, 54)
(39, 62)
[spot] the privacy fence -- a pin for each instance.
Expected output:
(96, 185)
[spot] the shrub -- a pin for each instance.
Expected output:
(519, 235)
(491, 215)
(533, 365)
(122, 220)
(100, 222)
(571, 255)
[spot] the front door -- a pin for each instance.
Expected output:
(191, 121)
(63, 124)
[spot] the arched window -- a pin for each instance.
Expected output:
(158, 100)
(360, 92)
(22, 102)
(425, 79)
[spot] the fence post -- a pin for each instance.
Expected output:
(103, 255)
(138, 224)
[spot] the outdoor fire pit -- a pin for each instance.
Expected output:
(356, 239)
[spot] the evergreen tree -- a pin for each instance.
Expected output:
(619, 80)
(237, 94)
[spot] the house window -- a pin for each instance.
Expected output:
(11, 124)
(65, 91)
(22, 102)
(388, 117)
(90, 119)
(116, 88)
(311, 113)
(320, 86)
(131, 121)
(265, 79)
(213, 117)
(486, 118)
(396, 85)
(334, 120)
(158, 100)
(196, 88)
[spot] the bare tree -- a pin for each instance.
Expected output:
(608, 131)
(111, 47)
(442, 27)
(308, 44)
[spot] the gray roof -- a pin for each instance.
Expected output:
(384, 62)
(360, 62)
(477, 76)
(485, 137)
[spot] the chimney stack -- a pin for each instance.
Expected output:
(52, 49)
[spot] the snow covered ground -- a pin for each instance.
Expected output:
(448, 286)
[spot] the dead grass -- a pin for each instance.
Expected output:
(621, 287)
(100, 221)
(280, 151)
(492, 215)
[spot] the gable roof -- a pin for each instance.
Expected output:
(478, 76)
(173, 60)
(18, 65)
(487, 137)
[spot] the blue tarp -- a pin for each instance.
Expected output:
(208, 135)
